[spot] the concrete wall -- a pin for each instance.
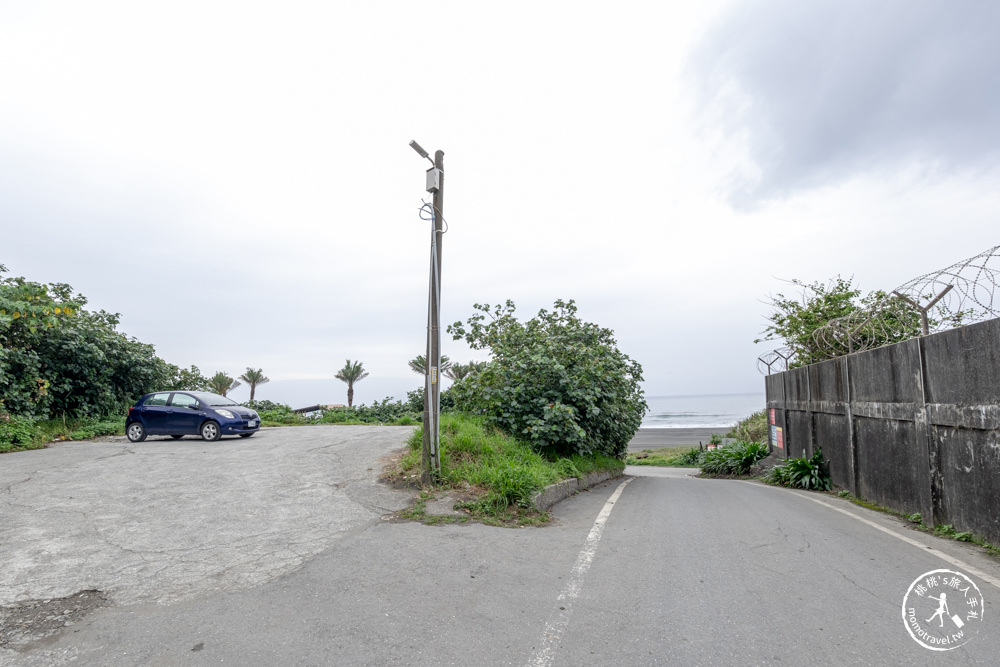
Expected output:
(913, 426)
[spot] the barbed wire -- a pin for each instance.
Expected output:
(961, 294)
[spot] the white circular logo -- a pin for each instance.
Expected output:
(942, 610)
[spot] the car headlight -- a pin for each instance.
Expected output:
(227, 414)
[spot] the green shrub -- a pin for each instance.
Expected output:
(802, 473)
(555, 381)
(734, 459)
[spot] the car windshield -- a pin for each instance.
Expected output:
(215, 399)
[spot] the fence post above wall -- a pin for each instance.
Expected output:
(852, 441)
(925, 439)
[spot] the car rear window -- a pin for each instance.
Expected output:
(157, 399)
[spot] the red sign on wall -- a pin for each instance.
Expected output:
(772, 415)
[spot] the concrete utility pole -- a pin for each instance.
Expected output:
(431, 457)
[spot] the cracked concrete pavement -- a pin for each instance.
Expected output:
(166, 520)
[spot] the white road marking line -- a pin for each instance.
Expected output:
(556, 626)
(962, 565)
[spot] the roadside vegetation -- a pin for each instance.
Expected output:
(20, 433)
(495, 474)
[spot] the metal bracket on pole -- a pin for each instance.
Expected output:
(924, 324)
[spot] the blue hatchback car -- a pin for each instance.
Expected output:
(180, 413)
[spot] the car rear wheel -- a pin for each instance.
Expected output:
(210, 431)
(135, 432)
(245, 435)
(177, 437)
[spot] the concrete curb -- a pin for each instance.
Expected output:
(553, 493)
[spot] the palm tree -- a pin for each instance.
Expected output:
(351, 373)
(459, 371)
(419, 365)
(253, 378)
(221, 383)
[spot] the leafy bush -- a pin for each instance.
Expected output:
(555, 381)
(734, 459)
(751, 429)
(16, 432)
(802, 473)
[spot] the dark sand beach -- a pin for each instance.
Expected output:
(654, 438)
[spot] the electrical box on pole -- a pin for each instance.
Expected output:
(433, 179)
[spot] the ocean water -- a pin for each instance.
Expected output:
(717, 411)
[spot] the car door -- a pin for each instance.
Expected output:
(155, 413)
(185, 415)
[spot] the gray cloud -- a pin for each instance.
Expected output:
(823, 89)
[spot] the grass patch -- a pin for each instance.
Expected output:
(498, 474)
(670, 457)
(21, 433)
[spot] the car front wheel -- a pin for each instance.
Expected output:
(135, 432)
(210, 431)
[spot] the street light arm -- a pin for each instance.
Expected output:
(420, 151)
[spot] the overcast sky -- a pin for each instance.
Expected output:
(234, 177)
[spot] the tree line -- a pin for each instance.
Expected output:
(554, 381)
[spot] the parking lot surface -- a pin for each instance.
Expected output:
(166, 520)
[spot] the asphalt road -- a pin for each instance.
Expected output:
(659, 568)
